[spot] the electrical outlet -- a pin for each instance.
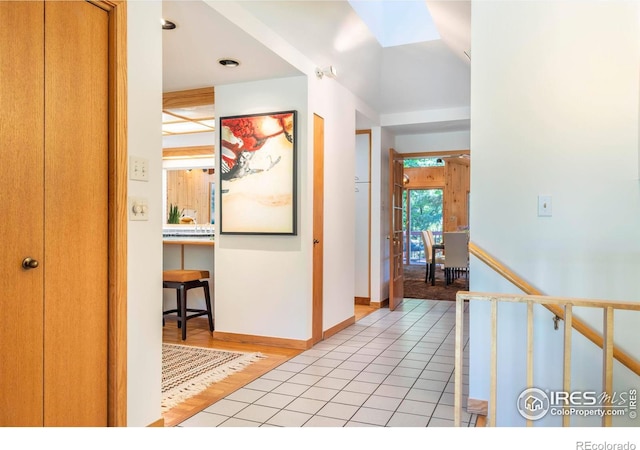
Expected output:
(138, 208)
(138, 168)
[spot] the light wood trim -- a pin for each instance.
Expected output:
(458, 363)
(317, 245)
(624, 358)
(196, 151)
(383, 304)
(396, 247)
(480, 407)
(607, 363)
(339, 327)
(502, 270)
(439, 153)
(493, 391)
(263, 340)
(158, 423)
(566, 372)
(529, 350)
(558, 302)
(187, 98)
(118, 159)
(362, 300)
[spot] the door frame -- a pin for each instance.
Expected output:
(317, 332)
(117, 199)
(396, 241)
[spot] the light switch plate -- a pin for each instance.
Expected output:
(138, 208)
(544, 206)
(138, 168)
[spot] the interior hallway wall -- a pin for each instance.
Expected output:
(554, 111)
(144, 240)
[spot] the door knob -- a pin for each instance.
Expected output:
(29, 263)
(315, 241)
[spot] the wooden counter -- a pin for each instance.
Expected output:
(187, 241)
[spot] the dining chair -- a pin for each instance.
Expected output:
(456, 245)
(428, 253)
(430, 236)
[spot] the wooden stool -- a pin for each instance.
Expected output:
(182, 281)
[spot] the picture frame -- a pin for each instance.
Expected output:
(258, 173)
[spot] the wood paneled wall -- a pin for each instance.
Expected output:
(191, 190)
(424, 177)
(454, 180)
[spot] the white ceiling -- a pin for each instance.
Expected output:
(408, 78)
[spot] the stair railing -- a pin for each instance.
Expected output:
(562, 307)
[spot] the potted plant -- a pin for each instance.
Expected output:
(174, 214)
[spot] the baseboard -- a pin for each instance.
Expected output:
(383, 304)
(475, 406)
(339, 327)
(157, 423)
(362, 300)
(296, 344)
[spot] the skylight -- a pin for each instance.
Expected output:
(397, 22)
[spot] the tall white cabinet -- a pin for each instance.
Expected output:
(363, 215)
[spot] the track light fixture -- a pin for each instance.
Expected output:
(328, 71)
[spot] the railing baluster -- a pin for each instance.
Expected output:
(459, 362)
(566, 375)
(607, 363)
(494, 363)
(529, 350)
(564, 306)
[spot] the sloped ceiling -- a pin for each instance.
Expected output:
(416, 77)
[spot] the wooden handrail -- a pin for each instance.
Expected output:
(623, 357)
(608, 306)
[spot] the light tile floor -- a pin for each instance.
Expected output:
(390, 369)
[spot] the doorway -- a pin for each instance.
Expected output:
(422, 211)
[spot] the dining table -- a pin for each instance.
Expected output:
(432, 269)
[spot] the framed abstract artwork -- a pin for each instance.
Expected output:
(257, 161)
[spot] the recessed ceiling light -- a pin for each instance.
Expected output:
(227, 62)
(168, 25)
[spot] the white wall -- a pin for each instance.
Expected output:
(263, 283)
(432, 142)
(554, 111)
(337, 106)
(144, 243)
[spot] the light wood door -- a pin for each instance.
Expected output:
(396, 187)
(57, 194)
(21, 226)
(318, 227)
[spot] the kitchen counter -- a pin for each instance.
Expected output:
(188, 240)
(188, 251)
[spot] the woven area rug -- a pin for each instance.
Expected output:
(415, 286)
(186, 370)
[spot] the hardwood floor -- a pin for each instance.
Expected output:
(199, 335)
